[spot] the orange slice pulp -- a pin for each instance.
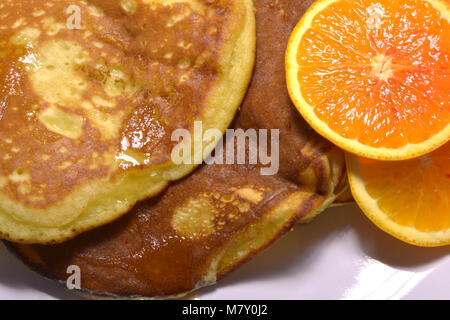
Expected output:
(409, 199)
(373, 76)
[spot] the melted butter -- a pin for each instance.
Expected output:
(131, 158)
(31, 61)
(25, 37)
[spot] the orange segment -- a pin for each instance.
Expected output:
(408, 199)
(373, 76)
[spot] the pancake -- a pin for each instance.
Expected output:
(208, 224)
(346, 197)
(91, 94)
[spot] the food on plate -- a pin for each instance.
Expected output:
(184, 240)
(408, 199)
(373, 77)
(91, 93)
(209, 223)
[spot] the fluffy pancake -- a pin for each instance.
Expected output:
(209, 223)
(91, 94)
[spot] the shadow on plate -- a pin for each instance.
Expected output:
(297, 250)
(16, 276)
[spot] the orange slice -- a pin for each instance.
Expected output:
(409, 199)
(373, 76)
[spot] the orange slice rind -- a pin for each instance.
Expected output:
(408, 199)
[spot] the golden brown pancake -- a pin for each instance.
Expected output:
(91, 94)
(209, 223)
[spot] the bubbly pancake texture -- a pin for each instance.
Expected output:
(88, 103)
(208, 224)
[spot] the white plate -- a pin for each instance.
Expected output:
(341, 255)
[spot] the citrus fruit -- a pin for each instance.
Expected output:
(409, 199)
(373, 76)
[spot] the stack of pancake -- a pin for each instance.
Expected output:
(86, 118)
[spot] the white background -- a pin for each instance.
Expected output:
(340, 255)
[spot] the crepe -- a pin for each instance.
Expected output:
(208, 224)
(91, 94)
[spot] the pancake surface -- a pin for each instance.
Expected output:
(209, 223)
(87, 112)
